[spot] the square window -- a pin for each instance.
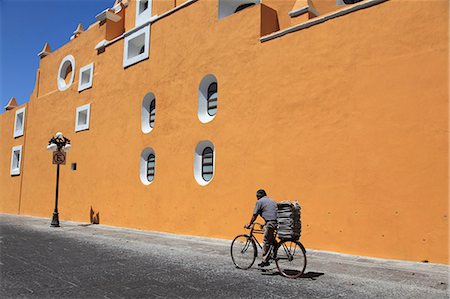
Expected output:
(82, 118)
(86, 76)
(143, 5)
(136, 46)
(16, 156)
(19, 121)
(143, 11)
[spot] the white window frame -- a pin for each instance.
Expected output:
(146, 113)
(126, 46)
(198, 159)
(62, 85)
(143, 166)
(90, 70)
(16, 170)
(18, 131)
(82, 127)
(202, 111)
(143, 16)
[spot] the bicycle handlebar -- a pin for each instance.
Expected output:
(252, 226)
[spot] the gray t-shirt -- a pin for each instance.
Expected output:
(267, 208)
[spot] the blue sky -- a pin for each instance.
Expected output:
(25, 25)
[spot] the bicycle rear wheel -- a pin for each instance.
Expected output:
(291, 258)
(243, 251)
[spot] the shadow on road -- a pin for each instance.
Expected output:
(310, 275)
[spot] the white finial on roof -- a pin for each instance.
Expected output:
(79, 29)
(45, 51)
(11, 104)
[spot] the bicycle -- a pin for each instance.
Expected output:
(289, 255)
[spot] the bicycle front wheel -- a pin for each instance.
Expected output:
(291, 259)
(243, 251)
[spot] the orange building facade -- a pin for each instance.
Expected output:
(178, 111)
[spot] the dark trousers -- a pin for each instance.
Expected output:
(269, 239)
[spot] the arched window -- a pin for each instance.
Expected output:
(152, 113)
(243, 6)
(147, 166)
(207, 98)
(150, 167)
(212, 99)
(148, 113)
(207, 163)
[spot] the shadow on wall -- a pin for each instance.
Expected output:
(95, 217)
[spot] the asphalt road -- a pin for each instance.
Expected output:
(83, 261)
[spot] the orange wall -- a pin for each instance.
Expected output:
(350, 117)
(10, 186)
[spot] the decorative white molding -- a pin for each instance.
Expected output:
(65, 64)
(82, 118)
(16, 159)
(19, 122)
(136, 47)
(322, 19)
(86, 77)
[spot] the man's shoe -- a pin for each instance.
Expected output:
(263, 264)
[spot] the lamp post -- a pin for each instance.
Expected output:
(59, 145)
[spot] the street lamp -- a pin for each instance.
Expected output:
(59, 145)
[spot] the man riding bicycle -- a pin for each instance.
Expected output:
(267, 209)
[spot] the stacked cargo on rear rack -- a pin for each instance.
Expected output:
(289, 223)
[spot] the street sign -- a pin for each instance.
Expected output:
(59, 157)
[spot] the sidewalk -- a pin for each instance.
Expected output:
(187, 260)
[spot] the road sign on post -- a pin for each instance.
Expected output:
(59, 157)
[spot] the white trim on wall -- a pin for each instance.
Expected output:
(16, 159)
(86, 77)
(19, 122)
(82, 118)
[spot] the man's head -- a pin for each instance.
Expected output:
(260, 193)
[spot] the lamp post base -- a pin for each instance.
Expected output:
(55, 220)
